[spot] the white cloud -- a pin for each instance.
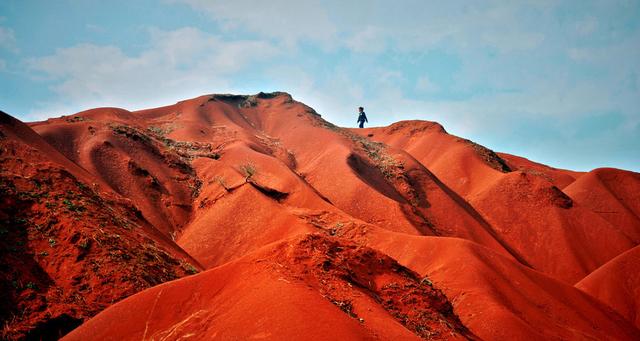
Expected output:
(8, 39)
(178, 64)
(509, 41)
(95, 28)
(289, 21)
(369, 40)
(624, 54)
(496, 63)
(579, 54)
(373, 25)
(586, 25)
(424, 84)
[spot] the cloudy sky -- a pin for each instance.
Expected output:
(554, 81)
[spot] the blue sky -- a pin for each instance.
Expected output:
(553, 81)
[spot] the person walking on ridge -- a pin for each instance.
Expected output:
(362, 117)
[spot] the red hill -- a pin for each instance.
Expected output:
(306, 230)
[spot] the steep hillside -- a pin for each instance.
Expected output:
(303, 230)
(559, 177)
(499, 299)
(70, 247)
(313, 287)
(522, 200)
(613, 194)
(617, 284)
(285, 154)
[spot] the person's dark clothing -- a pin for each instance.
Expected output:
(362, 117)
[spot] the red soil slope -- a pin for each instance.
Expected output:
(526, 209)
(486, 287)
(291, 154)
(154, 173)
(69, 249)
(614, 194)
(244, 184)
(555, 236)
(480, 285)
(617, 284)
(559, 177)
(429, 143)
(314, 287)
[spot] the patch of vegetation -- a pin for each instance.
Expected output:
(489, 157)
(73, 207)
(130, 132)
(191, 150)
(195, 188)
(347, 307)
(82, 186)
(85, 244)
(329, 125)
(122, 222)
(376, 151)
(75, 119)
(32, 195)
(159, 131)
(269, 95)
(426, 281)
(246, 101)
(248, 170)
(221, 181)
(228, 97)
(189, 268)
(251, 101)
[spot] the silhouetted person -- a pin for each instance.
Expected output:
(362, 117)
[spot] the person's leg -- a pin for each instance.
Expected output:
(361, 124)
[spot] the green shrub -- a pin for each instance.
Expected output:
(248, 169)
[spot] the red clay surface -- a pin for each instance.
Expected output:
(307, 230)
(617, 284)
(551, 229)
(70, 246)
